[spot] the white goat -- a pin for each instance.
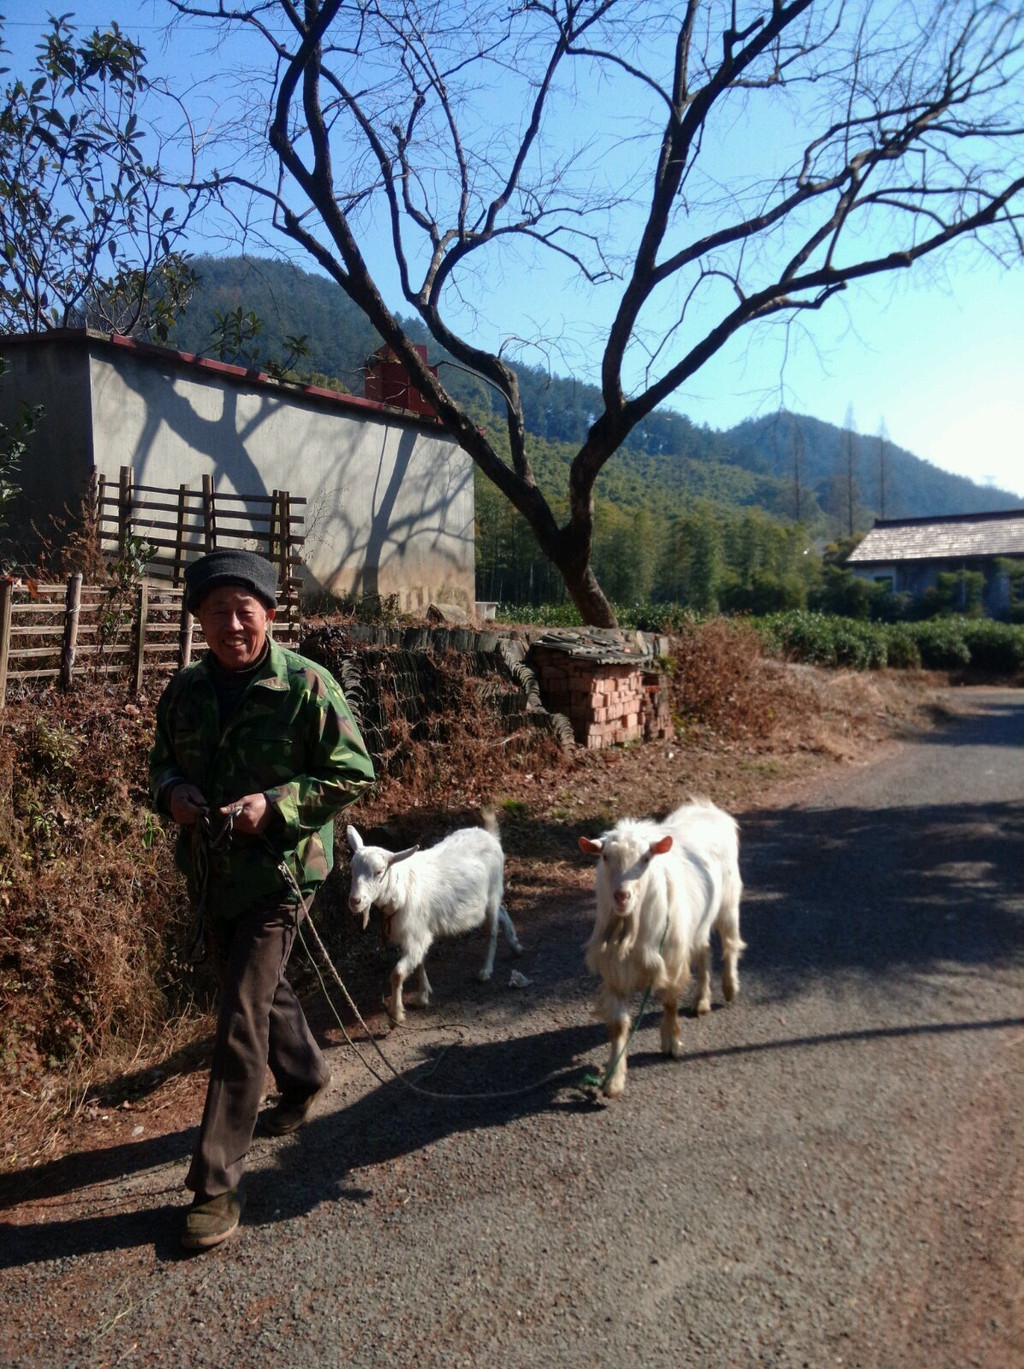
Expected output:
(661, 887)
(446, 889)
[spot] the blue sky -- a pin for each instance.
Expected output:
(937, 355)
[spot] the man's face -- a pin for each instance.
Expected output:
(234, 623)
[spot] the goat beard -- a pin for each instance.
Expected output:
(610, 942)
(620, 936)
(387, 915)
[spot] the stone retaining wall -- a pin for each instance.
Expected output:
(591, 688)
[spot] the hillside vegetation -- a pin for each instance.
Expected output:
(684, 514)
(666, 463)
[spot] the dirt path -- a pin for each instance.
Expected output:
(831, 1175)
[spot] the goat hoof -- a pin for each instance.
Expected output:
(484, 976)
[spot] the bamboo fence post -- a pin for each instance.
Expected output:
(276, 549)
(101, 495)
(284, 506)
(6, 600)
(179, 536)
(139, 643)
(124, 511)
(186, 624)
(72, 612)
(94, 506)
(285, 569)
(209, 515)
(273, 542)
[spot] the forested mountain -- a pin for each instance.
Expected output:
(684, 514)
(287, 302)
(891, 482)
(792, 466)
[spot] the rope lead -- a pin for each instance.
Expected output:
(289, 878)
(201, 846)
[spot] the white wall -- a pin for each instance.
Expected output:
(389, 499)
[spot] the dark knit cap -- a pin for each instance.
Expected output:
(242, 568)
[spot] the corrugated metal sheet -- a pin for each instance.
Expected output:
(956, 537)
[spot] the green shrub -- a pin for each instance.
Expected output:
(902, 650)
(666, 618)
(766, 593)
(824, 639)
(544, 615)
(842, 593)
(997, 648)
(942, 644)
(950, 642)
(959, 592)
(643, 617)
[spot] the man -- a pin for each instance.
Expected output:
(255, 752)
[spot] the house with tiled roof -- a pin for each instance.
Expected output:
(909, 554)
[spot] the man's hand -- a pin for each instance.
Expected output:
(186, 804)
(251, 815)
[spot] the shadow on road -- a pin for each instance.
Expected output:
(888, 892)
(317, 1164)
(324, 1162)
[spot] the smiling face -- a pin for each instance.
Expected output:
(234, 623)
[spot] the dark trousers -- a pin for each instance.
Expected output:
(260, 1023)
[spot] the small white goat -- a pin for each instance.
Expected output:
(446, 889)
(661, 887)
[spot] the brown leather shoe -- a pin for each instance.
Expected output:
(291, 1112)
(211, 1220)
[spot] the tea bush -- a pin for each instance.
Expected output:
(824, 640)
(946, 643)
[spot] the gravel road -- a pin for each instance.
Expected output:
(830, 1175)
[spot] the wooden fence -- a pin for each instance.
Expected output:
(175, 526)
(63, 633)
(137, 621)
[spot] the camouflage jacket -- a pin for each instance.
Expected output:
(291, 737)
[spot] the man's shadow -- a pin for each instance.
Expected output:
(451, 1090)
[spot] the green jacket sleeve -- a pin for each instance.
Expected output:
(339, 767)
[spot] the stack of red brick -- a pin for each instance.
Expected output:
(607, 700)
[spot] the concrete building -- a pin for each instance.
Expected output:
(389, 497)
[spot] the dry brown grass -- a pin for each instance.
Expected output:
(721, 682)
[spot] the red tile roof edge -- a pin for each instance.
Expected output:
(219, 368)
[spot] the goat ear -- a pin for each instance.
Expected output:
(658, 848)
(355, 841)
(591, 847)
(402, 855)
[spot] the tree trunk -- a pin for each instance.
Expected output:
(589, 598)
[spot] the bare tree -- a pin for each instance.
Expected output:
(787, 428)
(716, 165)
(797, 443)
